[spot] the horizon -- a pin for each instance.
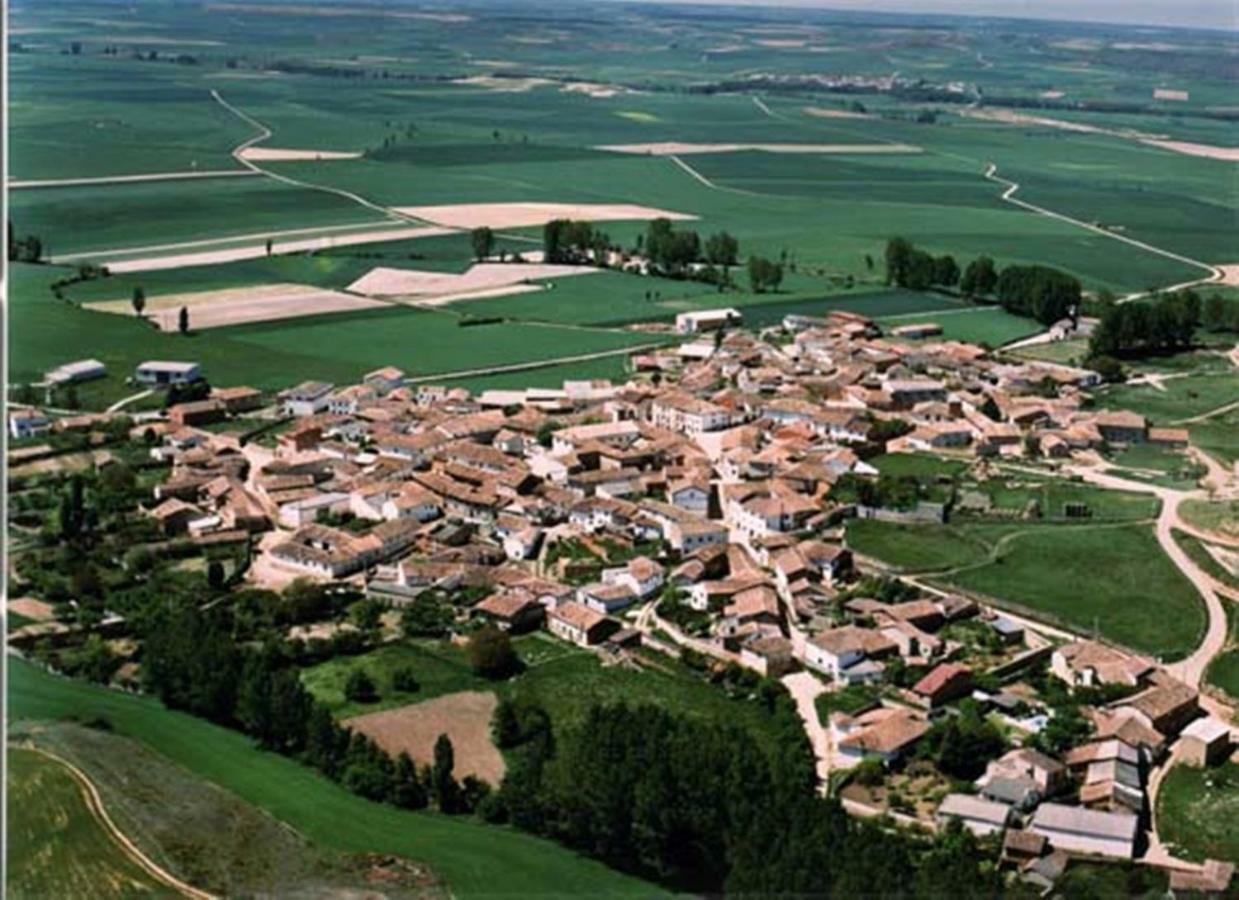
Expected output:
(1212, 15)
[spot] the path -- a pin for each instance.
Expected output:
(1008, 196)
(1207, 415)
(94, 803)
(706, 181)
(128, 179)
(805, 689)
(1192, 669)
(132, 398)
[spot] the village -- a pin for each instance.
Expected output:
(698, 512)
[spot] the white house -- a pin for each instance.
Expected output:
(642, 576)
(979, 816)
(837, 651)
(28, 423)
(307, 399)
(385, 380)
(82, 370)
(576, 623)
(706, 320)
(677, 411)
(162, 373)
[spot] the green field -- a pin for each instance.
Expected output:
(442, 668)
(1181, 398)
(1223, 671)
(916, 548)
(1112, 578)
(1210, 515)
(469, 856)
(1197, 812)
(990, 326)
(56, 846)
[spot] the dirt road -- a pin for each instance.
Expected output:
(805, 689)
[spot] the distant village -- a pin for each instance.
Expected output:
(698, 510)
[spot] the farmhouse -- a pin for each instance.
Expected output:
(1087, 831)
(841, 652)
(1088, 663)
(1122, 427)
(28, 423)
(515, 610)
(678, 411)
(579, 624)
(706, 320)
(917, 330)
(306, 399)
(883, 733)
(1205, 742)
(159, 373)
(979, 816)
(82, 370)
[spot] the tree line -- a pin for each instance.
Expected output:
(1039, 292)
(192, 662)
(1163, 324)
(702, 807)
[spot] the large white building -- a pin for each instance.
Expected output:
(1079, 830)
(706, 320)
(163, 373)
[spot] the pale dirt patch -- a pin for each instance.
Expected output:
(781, 43)
(526, 215)
(1230, 274)
(237, 306)
(1052, 95)
(821, 112)
(278, 154)
(482, 277)
(675, 148)
(595, 90)
(465, 718)
(1188, 148)
(503, 85)
(257, 250)
(291, 9)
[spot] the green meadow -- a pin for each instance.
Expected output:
(472, 858)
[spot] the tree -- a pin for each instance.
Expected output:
(183, 320)
(270, 246)
(404, 680)
(1040, 292)
(409, 792)
(139, 300)
(360, 687)
(946, 271)
(722, 249)
(367, 614)
(215, 574)
(980, 278)
(443, 786)
(898, 253)
(506, 727)
(491, 654)
(483, 242)
(764, 274)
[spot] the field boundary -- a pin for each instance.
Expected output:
(94, 802)
(127, 179)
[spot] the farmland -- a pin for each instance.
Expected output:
(467, 855)
(1197, 810)
(417, 138)
(56, 845)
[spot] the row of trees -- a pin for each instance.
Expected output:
(28, 248)
(912, 268)
(1039, 292)
(569, 241)
(192, 662)
(1164, 324)
(704, 808)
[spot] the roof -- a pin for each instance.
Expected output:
(1207, 729)
(168, 366)
(890, 734)
(940, 677)
(1091, 822)
(851, 638)
(577, 615)
(965, 806)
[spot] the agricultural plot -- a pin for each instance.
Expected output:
(989, 326)
(464, 717)
(1175, 399)
(470, 857)
(57, 847)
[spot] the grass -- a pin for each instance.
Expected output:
(206, 836)
(1182, 398)
(1223, 670)
(56, 845)
(442, 668)
(1071, 352)
(1210, 515)
(1112, 578)
(1200, 555)
(919, 465)
(850, 700)
(916, 548)
(989, 326)
(1197, 810)
(472, 858)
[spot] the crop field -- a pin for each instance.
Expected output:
(469, 856)
(1177, 399)
(990, 326)
(431, 112)
(56, 845)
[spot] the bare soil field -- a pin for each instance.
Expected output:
(1208, 151)
(31, 608)
(237, 306)
(257, 250)
(503, 85)
(1230, 274)
(821, 112)
(464, 717)
(675, 148)
(527, 215)
(483, 279)
(279, 154)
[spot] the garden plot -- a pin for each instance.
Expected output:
(464, 717)
(678, 148)
(482, 280)
(530, 215)
(239, 306)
